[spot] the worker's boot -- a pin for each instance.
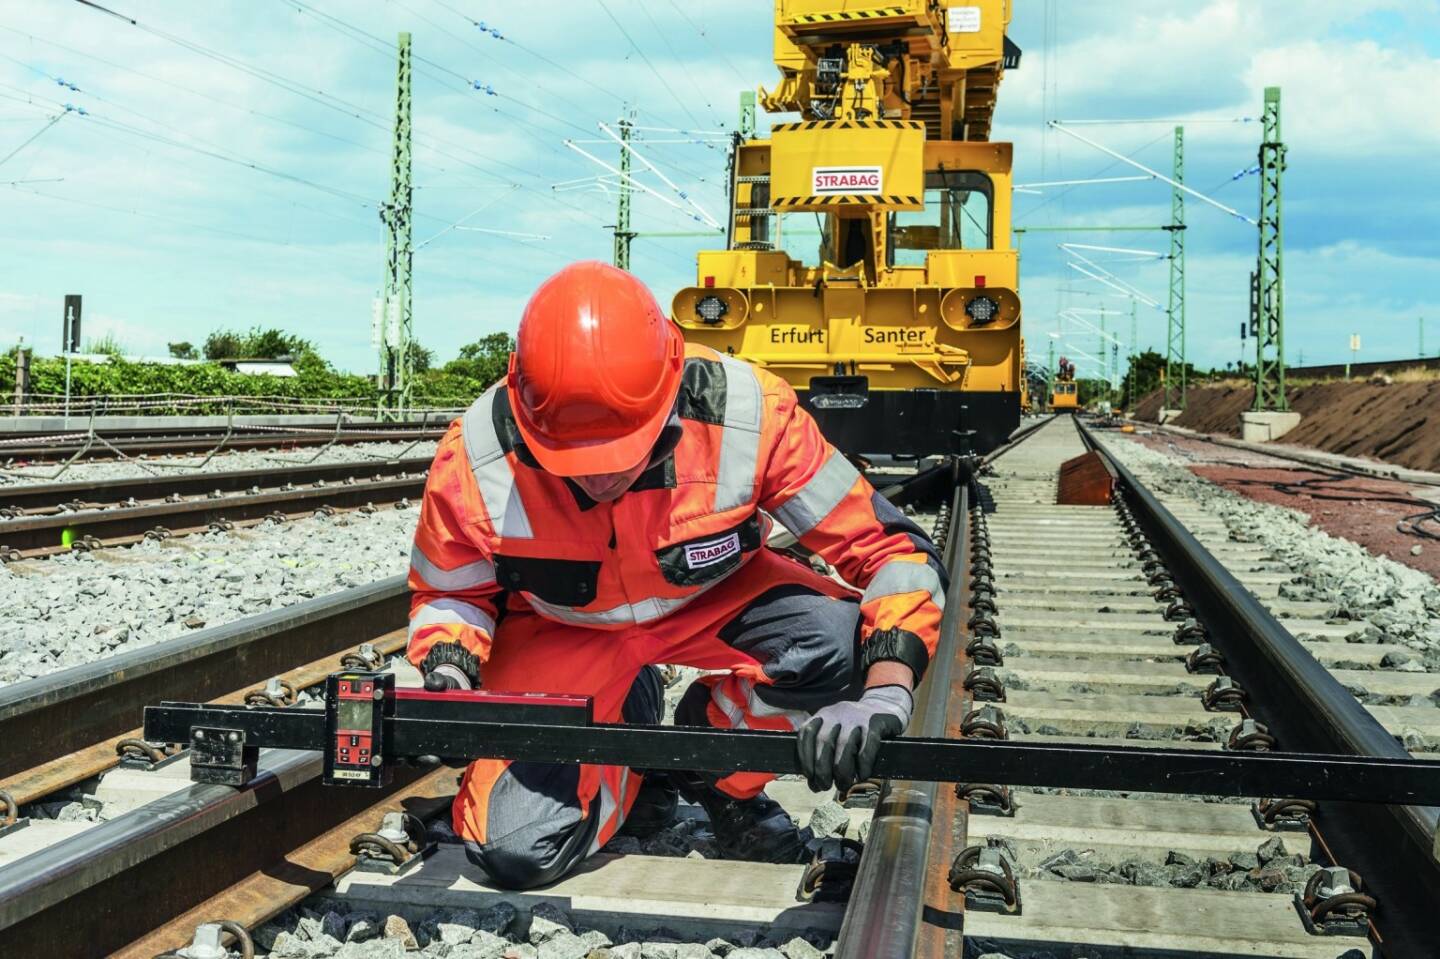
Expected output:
(757, 828)
(655, 808)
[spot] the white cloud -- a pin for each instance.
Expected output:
(1352, 98)
(310, 262)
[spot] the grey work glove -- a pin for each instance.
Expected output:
(838, 744)
(441, 675)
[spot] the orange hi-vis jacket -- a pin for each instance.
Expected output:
(497, 532)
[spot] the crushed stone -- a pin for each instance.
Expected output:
(544, 931)
(1400, 605)
(77, 608)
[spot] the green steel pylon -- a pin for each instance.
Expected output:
(394, 315)
(623, 232)
(1267, 295)
(1134, 356)
(1175, 337)
(1050, 372)
(1104, 349)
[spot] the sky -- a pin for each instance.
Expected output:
(230, 159)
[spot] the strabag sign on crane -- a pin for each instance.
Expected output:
(835, 180)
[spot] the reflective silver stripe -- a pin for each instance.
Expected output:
(609, 803)
(754, 706)
(626, 614)
(493, 474)
(817, 498)
(740, 439)
(897, 577)
(471, 575)
(446, 610)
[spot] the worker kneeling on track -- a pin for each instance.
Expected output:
(605, 508)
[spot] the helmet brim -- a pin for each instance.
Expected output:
(599, 457)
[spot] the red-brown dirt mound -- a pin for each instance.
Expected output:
(1398, 423)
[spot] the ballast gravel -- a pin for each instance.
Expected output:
(76, 608)
(545, 931)
(1400, 605)
(1271, 867)
(223, 462)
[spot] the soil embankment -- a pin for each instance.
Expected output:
(1394, 422)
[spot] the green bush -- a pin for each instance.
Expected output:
(256, 344)
(462, 379)
(316, 380)
(455, 384)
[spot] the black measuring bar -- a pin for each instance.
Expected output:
(403, 725)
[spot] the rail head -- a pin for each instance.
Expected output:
(884, 919)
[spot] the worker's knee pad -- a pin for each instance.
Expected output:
(534, 831)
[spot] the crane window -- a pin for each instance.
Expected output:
(958, 215)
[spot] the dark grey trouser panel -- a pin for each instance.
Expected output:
(536, 834)
(895, 521)
(807, 643)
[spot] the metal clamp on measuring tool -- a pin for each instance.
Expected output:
(369, 725)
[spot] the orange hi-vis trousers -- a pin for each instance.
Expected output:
(787, 637)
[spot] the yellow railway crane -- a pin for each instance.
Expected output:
(868, 257)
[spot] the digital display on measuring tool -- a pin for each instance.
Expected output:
(354, 714)
(356, 705)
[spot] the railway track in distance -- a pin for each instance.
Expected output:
(42, 519)
(1053, 630)
(49, 445)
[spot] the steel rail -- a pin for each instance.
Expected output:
(39, 496)
(74, 708)
(898, 903)
(1394, 848)
(276, 886)
(125, 869)
(167, 440)
(48, 778)
(129, 870)
(883, 920)
(45, 532)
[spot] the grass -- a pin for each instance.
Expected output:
(1408, 374)
(106, 344)
(1414, 374)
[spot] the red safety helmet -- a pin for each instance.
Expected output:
(595, 371)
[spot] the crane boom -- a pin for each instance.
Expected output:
(899, 324)
(939, 63)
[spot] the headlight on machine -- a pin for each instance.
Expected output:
(711, 309)
(982, 310)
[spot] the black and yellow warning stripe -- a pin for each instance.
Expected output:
(840, 16)
(849, 125)
(845, 199)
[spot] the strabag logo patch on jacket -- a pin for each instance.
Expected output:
(712, 552)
